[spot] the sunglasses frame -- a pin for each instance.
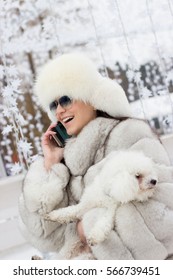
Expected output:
(54, 104)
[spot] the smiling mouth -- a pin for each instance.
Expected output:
(67, 120)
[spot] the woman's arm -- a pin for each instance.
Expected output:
(43, 192)
(44, 189)
(52, 153)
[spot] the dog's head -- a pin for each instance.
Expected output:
(145, 176)
(133, 176)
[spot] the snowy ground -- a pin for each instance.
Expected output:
(12, 244)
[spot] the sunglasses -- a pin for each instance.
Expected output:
(64, 101)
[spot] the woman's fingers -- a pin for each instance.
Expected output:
(47, 136)
(51, 126)
(80, 232)
(49, 133)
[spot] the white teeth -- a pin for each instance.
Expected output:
(67, 119)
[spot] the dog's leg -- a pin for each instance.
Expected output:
(70, 213)
(64, 215)
(74, 212)
(102, 227)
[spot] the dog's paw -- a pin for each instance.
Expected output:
(96, 236)
(46, 217)
(51, 217)
(91, 241)
(55, 217)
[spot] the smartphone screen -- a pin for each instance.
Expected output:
(61, 134)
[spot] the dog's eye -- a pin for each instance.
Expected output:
(138, 176)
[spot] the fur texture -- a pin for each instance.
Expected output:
(124, 176)
(144, 230)
(76, 76)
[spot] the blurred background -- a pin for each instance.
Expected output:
(131, 41)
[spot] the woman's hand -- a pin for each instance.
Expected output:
(52, 153)
(80, 231)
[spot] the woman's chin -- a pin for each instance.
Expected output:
(72, 131)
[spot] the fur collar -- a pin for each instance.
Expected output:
(80, 152)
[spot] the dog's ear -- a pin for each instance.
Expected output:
(123, 187)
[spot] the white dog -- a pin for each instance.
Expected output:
(124, 176)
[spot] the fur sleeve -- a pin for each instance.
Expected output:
(43, 190)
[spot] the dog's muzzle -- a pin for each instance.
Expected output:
(153, 182)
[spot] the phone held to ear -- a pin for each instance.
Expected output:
(61, 134)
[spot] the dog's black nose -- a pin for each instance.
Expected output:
(153, 182)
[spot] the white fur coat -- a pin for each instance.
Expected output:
(143, 230)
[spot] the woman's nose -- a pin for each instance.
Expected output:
(59, 110)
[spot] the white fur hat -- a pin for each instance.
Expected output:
(76, 76)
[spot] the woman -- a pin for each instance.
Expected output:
(95, 111)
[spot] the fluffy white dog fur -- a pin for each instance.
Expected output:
(123, 177)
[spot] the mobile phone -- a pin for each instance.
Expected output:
(61, 134)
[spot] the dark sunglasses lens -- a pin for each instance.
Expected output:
(53, 106)
(65, 101)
